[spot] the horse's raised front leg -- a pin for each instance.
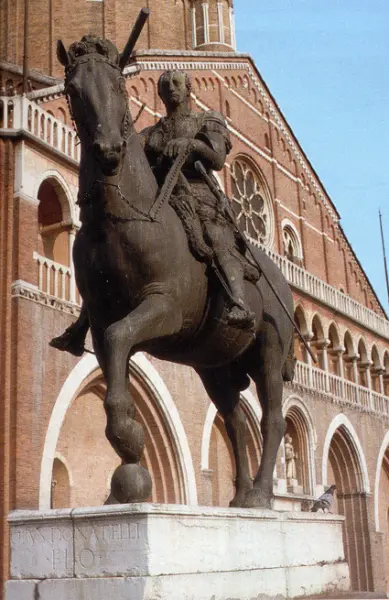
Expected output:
(269, 383)
(226, 397)
(156, 316)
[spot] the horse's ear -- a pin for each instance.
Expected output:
(62, 55)
(134, 35)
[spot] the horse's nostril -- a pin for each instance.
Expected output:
(99, 148)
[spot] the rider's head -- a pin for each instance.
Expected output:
(174, 88)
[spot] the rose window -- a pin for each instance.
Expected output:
(251, 203)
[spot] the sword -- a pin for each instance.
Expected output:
(215, 189)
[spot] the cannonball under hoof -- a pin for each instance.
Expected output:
(256, 499)
(131, 483)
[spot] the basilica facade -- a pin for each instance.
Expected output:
(53, 449)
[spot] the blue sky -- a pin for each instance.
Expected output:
(327, 65)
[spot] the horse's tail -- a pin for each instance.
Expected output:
(289, 364)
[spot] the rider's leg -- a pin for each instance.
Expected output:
(223, 242)
(185, 207)
(73, 339)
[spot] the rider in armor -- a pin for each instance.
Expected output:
(212, 236)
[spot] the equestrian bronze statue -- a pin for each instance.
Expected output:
(161, 268)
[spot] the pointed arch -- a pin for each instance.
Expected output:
(297, 411)
(342, 421)
(143, 367)
(63, 190)
(383, 449)
(344, 459)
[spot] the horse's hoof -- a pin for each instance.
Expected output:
(131, 483)
(237, 501)
(257, 499)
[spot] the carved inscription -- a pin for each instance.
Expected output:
(42, 551)
(106, 546)
(61, 559)
(38, 535)
(110, 533)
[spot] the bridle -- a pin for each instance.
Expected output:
(126, 129)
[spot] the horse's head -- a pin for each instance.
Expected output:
(98, 101)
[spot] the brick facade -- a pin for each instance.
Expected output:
(53, 450)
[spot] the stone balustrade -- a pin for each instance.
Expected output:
(304, 281)
(340, 390)
(19, 113)
(56, 280)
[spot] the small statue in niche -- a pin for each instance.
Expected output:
(290, 459)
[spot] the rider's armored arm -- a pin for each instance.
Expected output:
(212, 143)
(213, 159)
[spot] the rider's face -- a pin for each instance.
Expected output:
(173, 89)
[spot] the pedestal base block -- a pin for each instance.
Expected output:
(169, 552)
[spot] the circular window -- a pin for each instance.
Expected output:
(251, 203)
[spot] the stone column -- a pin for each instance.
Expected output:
(220, 17)
(205, 7)
(232, 27)
(279, 475)
(72, 283)
(308, 337)
(207, 480)
(322, 346)
(194, 26)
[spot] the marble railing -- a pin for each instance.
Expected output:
(304, 281)
(56, 280)
(19, 113)
(341, 390)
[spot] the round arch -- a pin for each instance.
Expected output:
(65, 195)
(292, 236)
(143, 367)
(338, 421)
(383, 448)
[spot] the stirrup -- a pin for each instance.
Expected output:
(241, 317)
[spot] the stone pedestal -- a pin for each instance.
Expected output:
(170, 552)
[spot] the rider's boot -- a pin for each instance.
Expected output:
(239, 315)
(73, 339)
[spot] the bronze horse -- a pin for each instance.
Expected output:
(143, 290)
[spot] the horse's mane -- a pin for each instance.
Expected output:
(92, 44)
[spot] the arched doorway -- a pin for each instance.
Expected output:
(382, 500)
(76, 432)
(347, 470)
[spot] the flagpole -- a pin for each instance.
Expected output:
(384, 253)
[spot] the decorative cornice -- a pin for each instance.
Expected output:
(35, 75)
(27, 291)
